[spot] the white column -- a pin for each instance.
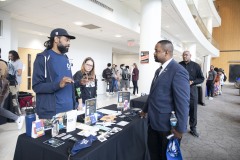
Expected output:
(191, 47)
(150, 34)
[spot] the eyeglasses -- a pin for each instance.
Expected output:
(89, 65)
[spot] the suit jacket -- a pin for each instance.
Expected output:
(169, 92)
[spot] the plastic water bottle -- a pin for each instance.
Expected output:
(30, 117)
(173, 119)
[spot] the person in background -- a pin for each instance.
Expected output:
(217, 85)
(117, 78)
(107, 75)
(169, 92)
(135, 75)
(87, 87)
(4, 93)
(15, 67)
(52, 76)
(195, 77)
(114, 78)
(125, 78)
(221, 72)
(210, 82)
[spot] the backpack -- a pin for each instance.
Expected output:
(107, 73)
(125, 74)
(225, 77)
(11, 76)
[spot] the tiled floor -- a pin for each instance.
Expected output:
(218, 125)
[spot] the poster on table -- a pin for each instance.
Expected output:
(91, 107)
(123, 100)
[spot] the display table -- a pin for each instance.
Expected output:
(138, 102)
(128, 144)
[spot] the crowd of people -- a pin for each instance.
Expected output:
(215, 82)
(119, 79)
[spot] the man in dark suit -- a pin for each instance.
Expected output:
(169, 92)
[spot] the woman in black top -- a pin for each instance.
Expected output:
(87, 82)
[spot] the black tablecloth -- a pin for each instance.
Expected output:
(138, 102)
(128, 144)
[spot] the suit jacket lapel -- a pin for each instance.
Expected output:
(164, 72)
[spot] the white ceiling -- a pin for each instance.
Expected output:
(56, 13)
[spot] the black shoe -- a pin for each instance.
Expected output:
(194, 133)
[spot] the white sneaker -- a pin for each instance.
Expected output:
(210, 98)
(20, 121)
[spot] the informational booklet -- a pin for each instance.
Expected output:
(53, 142)
(71, 120)
(90, 110)
(123, 100)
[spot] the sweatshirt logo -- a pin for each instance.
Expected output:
(68, 66)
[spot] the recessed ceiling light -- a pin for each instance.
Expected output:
(2, 0)
(118, 35)
(78, 23)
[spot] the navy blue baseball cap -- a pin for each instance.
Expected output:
(60, 32)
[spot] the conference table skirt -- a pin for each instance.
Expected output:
(128, 144)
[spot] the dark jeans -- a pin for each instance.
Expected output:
(210, 88)
(135, 87)
(109, 86)
(157, 144)
(193, 107)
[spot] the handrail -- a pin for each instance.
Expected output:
(200, 23)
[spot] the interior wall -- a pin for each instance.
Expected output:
(227, 35)
(23, 54)
(127, 59)
(225, 59)
(80, 49)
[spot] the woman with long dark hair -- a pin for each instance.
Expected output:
(88, 84)
(135, 76)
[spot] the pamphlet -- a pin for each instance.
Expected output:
(71, 120)
(37, 129)
(123, 100)
(53, 142)
(91, 107)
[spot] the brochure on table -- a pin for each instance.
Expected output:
(37, 129)
(123, 100)
(90, 111)
(71, 120)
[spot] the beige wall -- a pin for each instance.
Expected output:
(23, 53)
(228, 34)
(225, 59)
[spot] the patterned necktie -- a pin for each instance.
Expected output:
(157, 73)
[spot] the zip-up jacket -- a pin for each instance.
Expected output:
(44, 87)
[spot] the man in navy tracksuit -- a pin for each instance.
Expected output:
(52, 77)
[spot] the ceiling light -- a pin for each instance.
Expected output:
(78, 23)
(118, 35)
(2, 0)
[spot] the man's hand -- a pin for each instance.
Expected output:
(143, 114)
(177, 134)
(64, 81)
(191, 82)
